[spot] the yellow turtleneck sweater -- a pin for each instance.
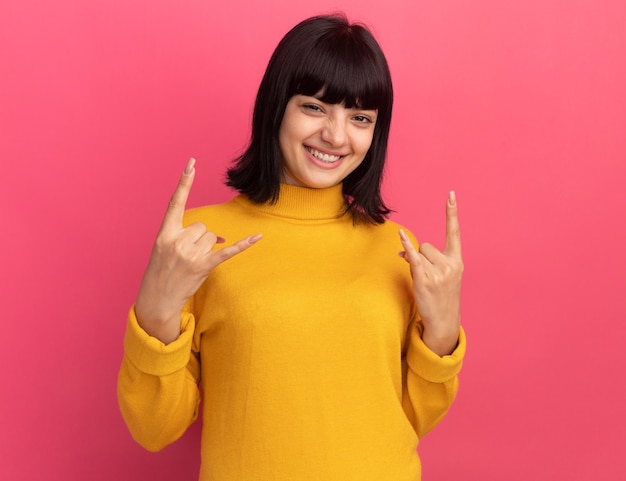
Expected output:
(306, 347)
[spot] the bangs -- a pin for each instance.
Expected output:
(343, 71)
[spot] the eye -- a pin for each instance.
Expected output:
(362, 119)
(312, 107)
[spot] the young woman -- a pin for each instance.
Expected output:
(320, 355)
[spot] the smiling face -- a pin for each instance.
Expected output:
(322, 143)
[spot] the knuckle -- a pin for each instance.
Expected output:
(173, 203)
(162, 242)
(197, 228)
(219, 256)
(457, 266)
(183, 182)
(446, 273)
(179, 247)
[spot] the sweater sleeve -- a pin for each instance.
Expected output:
(158, 384)
(430, 381)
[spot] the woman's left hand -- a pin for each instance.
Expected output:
(437, 284)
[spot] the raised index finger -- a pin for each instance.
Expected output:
(453, 231)
(176, 208)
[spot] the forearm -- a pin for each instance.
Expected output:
(430, 381)
(158, 385)
(157, 410)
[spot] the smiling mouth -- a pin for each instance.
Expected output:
(327, 158)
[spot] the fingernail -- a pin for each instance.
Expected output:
(220, 240)
(189, 167)
(254, 238)
(403, 235)
(452, 199)
(402, 254)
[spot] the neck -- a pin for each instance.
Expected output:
(306, 203)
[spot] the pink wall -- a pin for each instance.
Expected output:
(519, 106)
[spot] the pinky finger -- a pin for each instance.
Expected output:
(412, 256)
(410, 253)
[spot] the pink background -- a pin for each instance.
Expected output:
(519, 106)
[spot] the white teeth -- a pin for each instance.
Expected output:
(323, 157)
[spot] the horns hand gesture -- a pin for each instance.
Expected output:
(181, 259)
(437, 284)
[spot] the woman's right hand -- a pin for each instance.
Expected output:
(181, 259)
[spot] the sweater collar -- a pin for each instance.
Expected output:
(305, 203)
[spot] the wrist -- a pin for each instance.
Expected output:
(443, 342)
(159, 323)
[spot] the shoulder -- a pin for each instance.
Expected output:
(390, 228)
(384, 236)
(213, 212)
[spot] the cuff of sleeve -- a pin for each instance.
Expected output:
(428, 365)
(150, 355)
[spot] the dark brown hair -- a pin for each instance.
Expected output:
(321, 54)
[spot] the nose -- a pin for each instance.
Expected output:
(334, 130)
